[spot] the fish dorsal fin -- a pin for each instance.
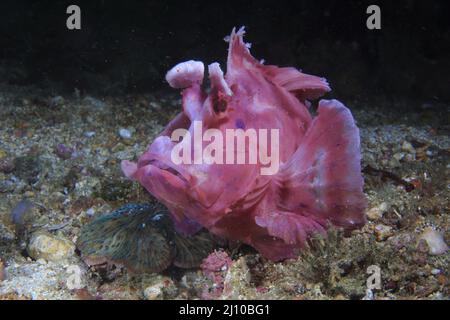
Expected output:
(238, 52)
(303, 86)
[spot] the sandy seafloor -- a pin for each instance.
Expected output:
(83, 180)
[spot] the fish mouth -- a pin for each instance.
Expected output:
(172, 169)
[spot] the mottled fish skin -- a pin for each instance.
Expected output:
(142, 239)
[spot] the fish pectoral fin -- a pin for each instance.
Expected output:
(294, 229)
(323, 177)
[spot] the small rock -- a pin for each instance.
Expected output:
(398, 156)
(46, 246)
(237, 280)
(21, 212)
(93, 102)
(2, 271)
(90, 212)
(377, 212)
(383, 232)
(161, 287)
(217, 261)
(410, 157)
(63, 151)
(407, 147)
(89, 134)
(401, 241)
(113, 190)
(56, 102)
(6, 186)
(125, 133)
(434, 240)
(154, 292)
(28, 168)
(6, 165)
(435, 272)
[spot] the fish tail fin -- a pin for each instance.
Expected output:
(323, 178)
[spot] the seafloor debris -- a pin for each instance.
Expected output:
(44, 245)
(2, 270)
(386, 175)
(63, 151)
(215, 267)
(20, 211)
(434, 240)
(28, 168)
(6, 165)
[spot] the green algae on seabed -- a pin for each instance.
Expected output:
(142, 239)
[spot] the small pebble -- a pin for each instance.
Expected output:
(6, 186)
(399, 156)
(2, 271)
(20, 211)
(401, 241)
(46, 246)
(6, 165)
(56, 101)
(63, 151)
(160, 287)
(377, 212)
(383, 232)
(89, 134)
(435, 241)
(406, 146)
(93, 102)
(28, 168)
(125, 133)
(435, 272)
(154, 292)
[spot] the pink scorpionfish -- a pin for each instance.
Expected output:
(318, 182)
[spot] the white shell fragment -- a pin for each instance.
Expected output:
(125, 133)
(185, 74)
(435, 241)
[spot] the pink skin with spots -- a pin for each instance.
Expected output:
(318, 183)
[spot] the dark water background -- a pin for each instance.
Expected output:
(127, 46)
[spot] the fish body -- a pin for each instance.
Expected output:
(316, 183)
